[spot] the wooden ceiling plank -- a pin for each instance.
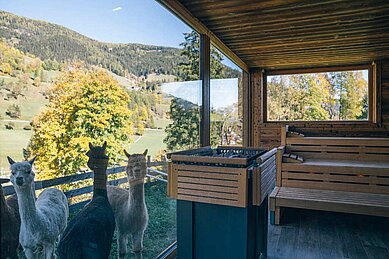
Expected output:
(177, 8)
(349, 40)
(317, 9)
(239, 6)
(330, 26)
(365, 32)
(323, 15)
(290, 33)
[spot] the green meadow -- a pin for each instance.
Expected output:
(12, 143)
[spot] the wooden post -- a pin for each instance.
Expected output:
(247, 111)
(284, 131)
(205, 77)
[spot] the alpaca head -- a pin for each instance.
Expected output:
(136, 166)
(22, 175)
(97, 157)
(97, 152)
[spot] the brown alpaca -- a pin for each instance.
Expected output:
(129, 206)
(89, 234)
(10, 224)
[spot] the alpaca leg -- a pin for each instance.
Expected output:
(122, 245)
(138, 241)
(29, 253)
(138, 255)
(49, 251)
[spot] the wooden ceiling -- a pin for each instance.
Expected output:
(279, 34)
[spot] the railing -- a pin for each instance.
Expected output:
(152, 174)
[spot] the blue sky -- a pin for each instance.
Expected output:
(118, 21)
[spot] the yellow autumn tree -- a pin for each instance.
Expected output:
(84, 106)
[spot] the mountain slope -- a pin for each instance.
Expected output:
(50, 41)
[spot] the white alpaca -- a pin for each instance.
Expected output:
(129, 206)
(42, 219)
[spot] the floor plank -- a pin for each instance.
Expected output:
(320, 234)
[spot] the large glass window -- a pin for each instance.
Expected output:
(324, 96)
(128, 74)
(226, 101)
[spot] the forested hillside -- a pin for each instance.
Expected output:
(56, 43)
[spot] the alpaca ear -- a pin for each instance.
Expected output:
(126, 153)
(32, 160)
(145, 153)
(10, 160)
(105, 145)
(90, 145)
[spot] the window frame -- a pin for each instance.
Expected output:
(373, 104)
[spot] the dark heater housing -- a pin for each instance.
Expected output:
(221, 200)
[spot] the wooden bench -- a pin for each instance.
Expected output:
(348, 175)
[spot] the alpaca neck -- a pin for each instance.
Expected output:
(3, 203)
(137, 193)
(100, 181)
(27, 207)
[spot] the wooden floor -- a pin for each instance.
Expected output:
(317, 234)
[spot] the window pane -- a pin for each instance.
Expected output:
(183, 131)
(226, 101)
(95, 85)
(334, 96)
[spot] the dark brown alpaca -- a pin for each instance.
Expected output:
(89, 234)
(10, 224)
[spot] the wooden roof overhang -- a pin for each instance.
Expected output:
(285, 34)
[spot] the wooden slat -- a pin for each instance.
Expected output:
(369, 204)
(272, 198)
(343, 156)
(279, 154)
(226, 170)
(340, 168)
(334, 141)
(207, 181)
(263, 180)
(339, 149)
(326, 195)
(295, 34)
(208, 194)
(203, 175)
(336, 186)
(337, 178)
(267, 156)
(209, 159)
(210, 200)
(204, 187)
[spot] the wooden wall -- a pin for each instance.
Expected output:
(267, 134)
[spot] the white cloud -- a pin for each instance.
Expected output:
(117, 9)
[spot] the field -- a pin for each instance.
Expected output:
(161, 230)
(12, 143)
(152, 140)
(31, 102)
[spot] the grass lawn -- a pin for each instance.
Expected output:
(162, 123)
(30, 104)
(161, 230)
(151, 140)
(12, 143)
